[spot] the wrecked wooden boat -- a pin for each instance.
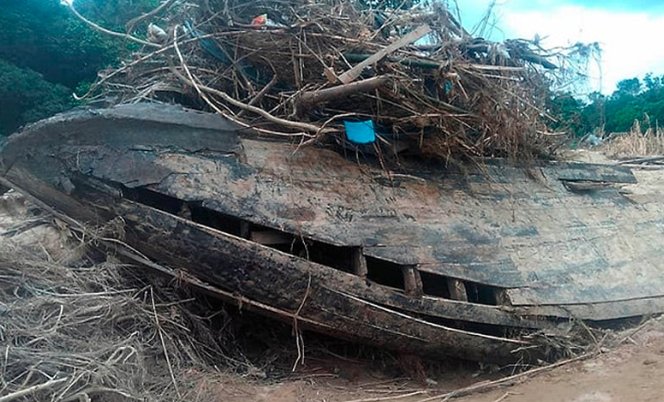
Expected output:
(476, 264)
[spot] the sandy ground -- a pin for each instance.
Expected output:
(631, 372)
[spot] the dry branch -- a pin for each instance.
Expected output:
(129, 26)
(455, 97)
(103, 30)
(312, 98)
(352, 74)
(32, 390)
(90, 330)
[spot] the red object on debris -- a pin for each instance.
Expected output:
(260, 20)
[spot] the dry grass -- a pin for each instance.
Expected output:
(635, 143)
(77, 327)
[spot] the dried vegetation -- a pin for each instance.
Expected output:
(77, 325)
(290, 69)
(635, 143)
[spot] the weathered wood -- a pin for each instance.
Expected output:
(597, 311)
(234, 260)
(648, 159)
(425, 305)
(457, 289)
(356, 71)
(309, 99)
(359, 263)
(412, 281)
(583, 186)
(270, 237)
(542, 250)
(593, 172)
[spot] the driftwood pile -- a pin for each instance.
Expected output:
(300, 69)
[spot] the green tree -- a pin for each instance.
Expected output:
(46, 53)
(632, 100)
(568, 113)
(652, 83)
(629, 87)
(25, 97)
(42, 35)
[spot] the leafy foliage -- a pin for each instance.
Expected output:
(633, 100)
(114, 14)
(42, 35)
(25, 97)
(567, 112)
(46, 53)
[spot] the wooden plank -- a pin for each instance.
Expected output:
(225, 260)
(586, 186)
(360, 263)
(352, 74)
(457, 289)
(592, 172)
(270, 237)
(432, 306)
(506, 241)
(596, 311)
(412, 281)
(598, 292)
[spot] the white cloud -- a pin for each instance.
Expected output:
(629, 39)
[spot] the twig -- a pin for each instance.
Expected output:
(298, 335)
(101, 390)
(134, 63)
(487, 385)
(633, 332)
(311, 128)
(190, 80)
(260, 94)
(107, 31)
(390, 398)
(163, 345)
(129, 26)
(502, 398)
(32, 389)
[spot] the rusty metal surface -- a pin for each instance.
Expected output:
(541, 249)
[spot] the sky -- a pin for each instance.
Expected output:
(630, 32)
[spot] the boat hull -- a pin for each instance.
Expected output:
(473, 264)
